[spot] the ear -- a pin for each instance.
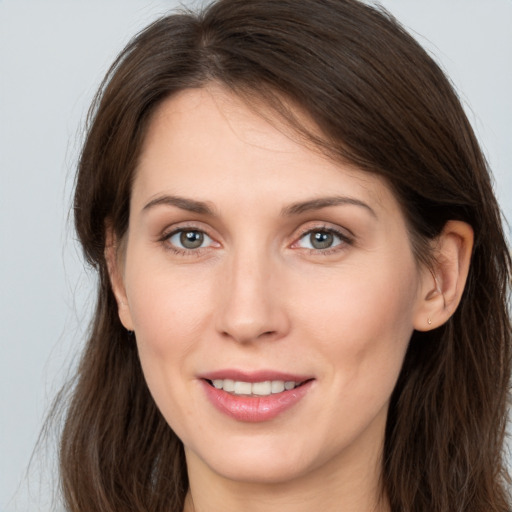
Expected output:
(115, 272)
(442, 285)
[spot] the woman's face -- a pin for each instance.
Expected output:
(272, 292)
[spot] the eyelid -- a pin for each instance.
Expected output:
(345, 235)
(343, 232)
(174, 229)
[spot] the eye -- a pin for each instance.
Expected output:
(190, 239)
(321, 239)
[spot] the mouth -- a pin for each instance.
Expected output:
(255, 396)
(255, 389)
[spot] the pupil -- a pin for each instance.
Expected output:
(321, 239)
(191, 239)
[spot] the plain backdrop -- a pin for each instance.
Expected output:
(53, 55)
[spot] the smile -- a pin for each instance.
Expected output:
(255, 397)
(264, 388)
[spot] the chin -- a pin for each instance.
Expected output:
(263, 472)
(264, 462)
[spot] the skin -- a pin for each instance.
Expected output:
(258, 295)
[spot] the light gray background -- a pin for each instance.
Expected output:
(52, 56)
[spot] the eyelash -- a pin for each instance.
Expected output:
(345, 240)
(165, 240)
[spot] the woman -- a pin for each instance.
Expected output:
(302, 274)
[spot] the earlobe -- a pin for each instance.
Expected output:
(442, 286)
(116, 279)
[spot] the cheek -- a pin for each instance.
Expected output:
(362, 321)
(361, 329)
(168, 308)
(169, 311)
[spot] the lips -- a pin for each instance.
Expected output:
(256, 396)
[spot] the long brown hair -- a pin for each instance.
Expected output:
(382, 104)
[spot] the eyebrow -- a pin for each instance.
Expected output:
(324, 202)
(204, 208)
(190, 205)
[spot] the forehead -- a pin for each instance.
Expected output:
(209, 140)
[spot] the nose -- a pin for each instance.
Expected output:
(251, 300)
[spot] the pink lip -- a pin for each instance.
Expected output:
(251, 408)
(253, 376)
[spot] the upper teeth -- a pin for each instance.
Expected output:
(264, 388)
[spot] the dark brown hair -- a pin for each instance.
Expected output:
(382, 104)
